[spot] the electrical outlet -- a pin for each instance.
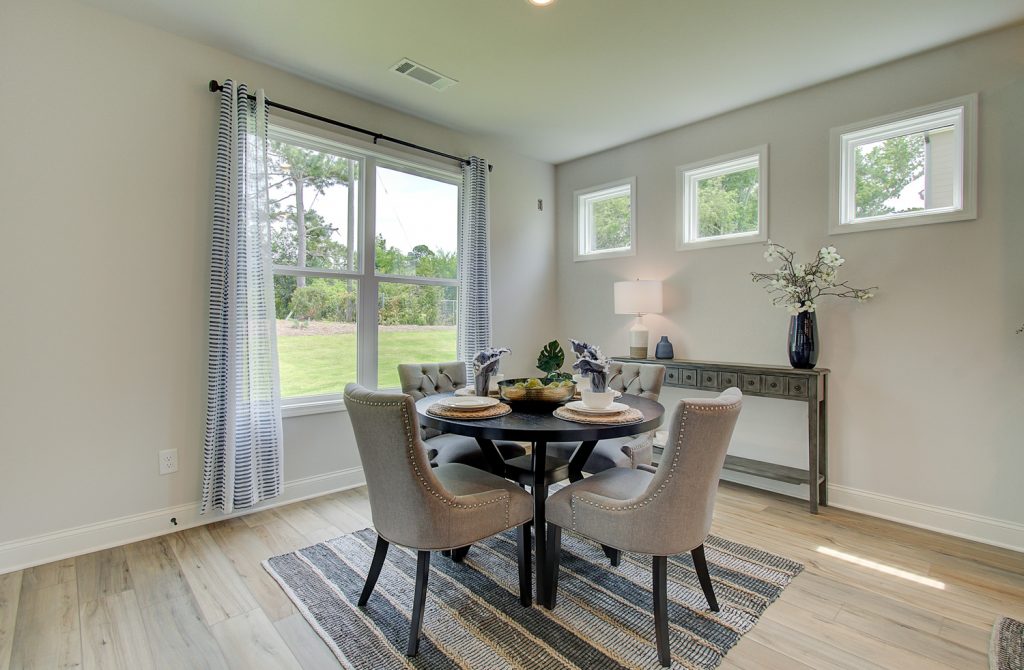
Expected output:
(168, 461)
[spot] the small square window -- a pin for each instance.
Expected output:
(723, 200)
(905, 169)
(606, 221)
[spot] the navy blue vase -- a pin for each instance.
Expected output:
(664, 348)
(803, 340)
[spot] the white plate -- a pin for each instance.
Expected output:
(465, 390)
(614, 408)
(468, 402)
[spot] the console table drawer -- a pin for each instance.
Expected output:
(672, 375)
(708, 379)
(728, 379)
(773, 384)
(688, 377)
(750, 383)
(797, 387)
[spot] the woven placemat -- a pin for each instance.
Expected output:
(445, 412)
(631, 415)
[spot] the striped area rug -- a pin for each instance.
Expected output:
(473, 619)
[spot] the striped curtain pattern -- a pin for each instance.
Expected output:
(474, 262)
(242, 453)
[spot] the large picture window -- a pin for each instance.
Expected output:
(365, 268)
(905, 169)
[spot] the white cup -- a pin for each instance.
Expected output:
(595, 400)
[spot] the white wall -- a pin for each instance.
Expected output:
(106, 183)
(926, 421)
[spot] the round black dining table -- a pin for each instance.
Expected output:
(539, 426)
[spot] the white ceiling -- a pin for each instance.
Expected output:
(579, 76)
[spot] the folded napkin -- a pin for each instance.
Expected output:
(592, 363)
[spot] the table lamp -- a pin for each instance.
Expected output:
(639, 297)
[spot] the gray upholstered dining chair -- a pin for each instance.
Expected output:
(422, 379)
(642, 379)
(663, 511)
(424, 508)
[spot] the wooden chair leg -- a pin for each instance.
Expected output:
(524, 546)
(614, 555)
(700, 564)
(459, 554)
(553, 560)
(660, 571)
(419, 600)
(379, 554)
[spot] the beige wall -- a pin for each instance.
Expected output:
(926, 420)
(106, 184)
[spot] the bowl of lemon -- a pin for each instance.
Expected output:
(537, 391)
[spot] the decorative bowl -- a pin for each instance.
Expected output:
(517, 390)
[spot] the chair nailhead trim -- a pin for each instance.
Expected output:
(447, 499)
(687, 406)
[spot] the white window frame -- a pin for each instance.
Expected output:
(366, 276)
(583, 225)
(961, 113)
(687, 178)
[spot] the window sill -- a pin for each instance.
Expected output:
(602, 255)
(759, 237)
(313, 407)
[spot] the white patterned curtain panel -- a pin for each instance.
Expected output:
(242, 454)
(474, 262)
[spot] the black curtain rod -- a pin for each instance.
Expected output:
(215, 87)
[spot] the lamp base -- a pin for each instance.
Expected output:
(638, 338)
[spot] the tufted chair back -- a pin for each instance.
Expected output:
(423, 379)
(642, 379)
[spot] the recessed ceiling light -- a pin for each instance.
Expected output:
(541, 3)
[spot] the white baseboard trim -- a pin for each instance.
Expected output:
(997, 532)
(58, 545)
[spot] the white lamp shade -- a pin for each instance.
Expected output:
(642, 296)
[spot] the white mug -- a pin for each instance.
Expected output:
(595, 400)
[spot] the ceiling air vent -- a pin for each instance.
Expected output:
(423, 74)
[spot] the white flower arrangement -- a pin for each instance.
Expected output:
(797, 286)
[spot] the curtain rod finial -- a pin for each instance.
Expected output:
(214, 86)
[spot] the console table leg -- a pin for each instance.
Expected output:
(812, 448)
(823, 447)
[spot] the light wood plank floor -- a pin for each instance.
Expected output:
(874, 594)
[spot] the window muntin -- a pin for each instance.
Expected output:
(906, 169)
(339, 319)
(723, 200)
(605, 220)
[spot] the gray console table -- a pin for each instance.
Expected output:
(768, 381)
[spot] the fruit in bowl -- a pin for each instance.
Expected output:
(536, 390)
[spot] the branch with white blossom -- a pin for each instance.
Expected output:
(796, 286)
